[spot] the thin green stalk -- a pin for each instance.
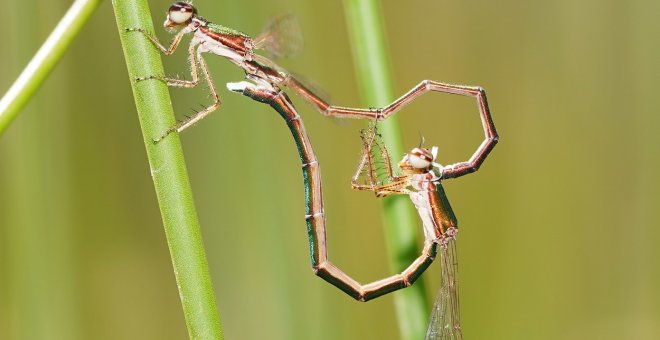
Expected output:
(169, 173)
(40, 267)
(45, 60)
(370, 55)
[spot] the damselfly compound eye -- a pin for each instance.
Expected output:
(420, 158)
(179, 13)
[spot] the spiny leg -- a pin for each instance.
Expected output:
(385, 156)
(366, 159)
(196, 62)
(375, 138)
(191, 120)
(165, 50)
(394, 185)
(175, 82)
(168, 51)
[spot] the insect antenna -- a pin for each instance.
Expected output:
(421, 139)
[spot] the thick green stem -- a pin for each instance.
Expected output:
(169, 174)
(370, 55)
(45, 60)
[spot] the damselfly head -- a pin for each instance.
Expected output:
(417, 159)
(179, 14)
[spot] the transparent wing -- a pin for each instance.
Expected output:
(281, 37)
(312, 86)
(444, 323)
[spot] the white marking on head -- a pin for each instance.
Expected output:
(418, 162)
(180, 17)
(420, 158)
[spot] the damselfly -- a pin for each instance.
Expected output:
(420, 180)
(241, 50)
(265, 80)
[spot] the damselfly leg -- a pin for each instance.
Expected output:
(197, 63)
(374, 172)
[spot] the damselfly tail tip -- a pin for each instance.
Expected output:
(238, 86)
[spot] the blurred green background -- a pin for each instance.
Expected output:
(558, 230)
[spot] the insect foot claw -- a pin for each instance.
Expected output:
(148, 78)
(157, 140)
(167, 133)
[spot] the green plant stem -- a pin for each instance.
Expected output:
(370, 56)
(169, 173)
(45, 60)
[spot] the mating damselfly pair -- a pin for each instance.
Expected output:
(420, 178)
